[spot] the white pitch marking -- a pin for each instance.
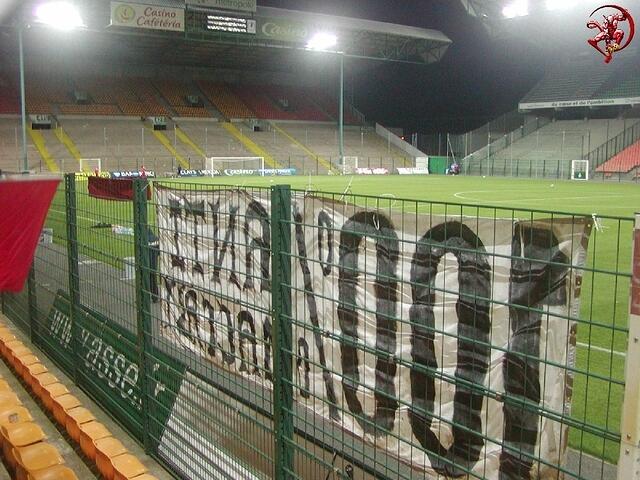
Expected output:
(600, 349)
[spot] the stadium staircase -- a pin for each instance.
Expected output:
(39, 142)
(187, 141)
(66, 140)
(162, 138)
(250, 145)
(330, 168)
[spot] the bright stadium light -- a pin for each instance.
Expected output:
(517, 8)
(561, 4)
(60, 15)
(322, 41)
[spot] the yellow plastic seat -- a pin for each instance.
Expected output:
(75, 418)
(127, 467)
(61, 405)
(90, 433)
(16, 435)
(4, 386)
(50, 392)
(57, 472)
(8, 398)
(36, 457)
(14, 414)
(42, 380)
(107, 449)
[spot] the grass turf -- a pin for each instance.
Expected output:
(601, 336)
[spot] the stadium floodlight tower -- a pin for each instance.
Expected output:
(328, 42)
(60, 15)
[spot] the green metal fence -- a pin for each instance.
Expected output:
(276, 333)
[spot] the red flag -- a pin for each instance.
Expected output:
(112, 188)
(24, 205)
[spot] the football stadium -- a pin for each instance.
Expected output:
(253, 239)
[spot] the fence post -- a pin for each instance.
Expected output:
(32, 302)
(630, 422)
(282, 331)
(72, 257)
(143, 296)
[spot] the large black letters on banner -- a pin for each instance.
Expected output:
(313, 313)
(256, 211)
(229, 243)
(379, 227)
(474, 325)
(325, 224)
(196, 209)
(175, 212)
(538, 278)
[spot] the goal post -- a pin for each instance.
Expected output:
(580, 170)
(90, 165)
(223, 165)
(349, 165)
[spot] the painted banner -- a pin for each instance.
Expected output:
(443, 302)
(154, 17)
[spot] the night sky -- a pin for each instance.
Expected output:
(480, 77)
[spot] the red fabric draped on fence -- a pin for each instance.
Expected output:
(24, 204)
(112, 188)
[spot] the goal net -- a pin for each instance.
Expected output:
(349, 165)
(580, 170)
(90, 165)
(235, 166)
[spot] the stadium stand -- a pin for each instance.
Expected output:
(225, 100)
(549, 148)
(9, 97)
(176, 93)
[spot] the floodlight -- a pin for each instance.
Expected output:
(322, 41)
(561, 4)
(517, 8)
(58, 14)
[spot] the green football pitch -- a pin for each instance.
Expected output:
(602, 338)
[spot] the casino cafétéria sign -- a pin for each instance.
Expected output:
(153, 17)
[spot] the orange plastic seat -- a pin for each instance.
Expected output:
(127, 466)
(145, 476)
(14, 414)
(61, 405)
(9, 346)
(57, 472)
(107, 449)
(90, 433)
(31, 371)
(16, 353)
(42, 380)
(25, 361)
(75, 418)
(36, 457)
(4, 386)
(16, 435)
(50, 392)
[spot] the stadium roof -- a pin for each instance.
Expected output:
(280, 39)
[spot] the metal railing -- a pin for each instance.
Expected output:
(278, 333)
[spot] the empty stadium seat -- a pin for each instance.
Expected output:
(16, 435)
(61, 405)
(24, 361)
(107, 449)
(57, 472)
(76, 417)
(127, 467)
(33, 458)
(623, 162)
(50, 392)
(14, 414)
(90, 433)
(41, 380)
(31, 371)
